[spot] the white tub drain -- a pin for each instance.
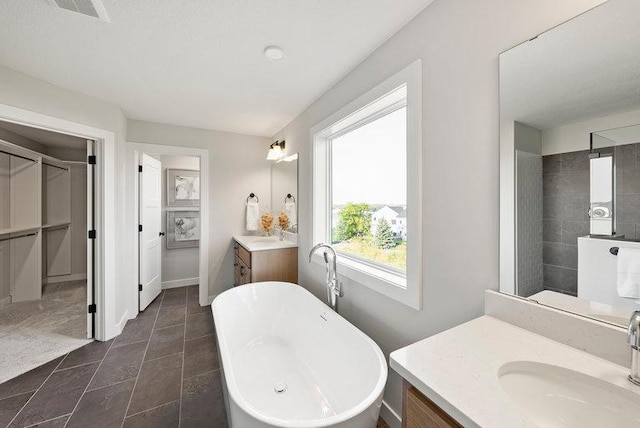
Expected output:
(280, 387)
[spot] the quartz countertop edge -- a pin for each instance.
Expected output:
(458, 369)
(263, 243)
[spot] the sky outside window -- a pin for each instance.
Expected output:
(369, 164)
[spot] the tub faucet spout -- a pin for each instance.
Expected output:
(334, 286)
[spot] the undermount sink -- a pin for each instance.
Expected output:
(553, 396)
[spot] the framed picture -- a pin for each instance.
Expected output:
(183, 229)
(183, 188)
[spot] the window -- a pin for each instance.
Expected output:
(364, 202)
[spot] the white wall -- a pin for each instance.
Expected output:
(237, 167)
(576, 136)
(459, 42)
(178, 264)
(24, 92)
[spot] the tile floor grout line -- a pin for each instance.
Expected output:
(104, 357)
(37, 390)
(184, 346)
(107, 386)
(48, 420)
(132, 343)
(203, 373)
(82, 364)
(133, 391)
(152, 408)
(15, 395)
(200, 337)
(167, 326)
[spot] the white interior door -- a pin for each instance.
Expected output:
(149, 237)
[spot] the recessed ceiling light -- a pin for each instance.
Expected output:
(274, 53)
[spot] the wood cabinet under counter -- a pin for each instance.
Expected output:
(268, 264)
(420, 412)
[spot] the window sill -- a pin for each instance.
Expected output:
(384, 282)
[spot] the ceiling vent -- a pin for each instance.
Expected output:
(92, 8)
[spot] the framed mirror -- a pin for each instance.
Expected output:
(284, 189)
(570, 165)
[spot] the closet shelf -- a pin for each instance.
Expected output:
(56, 225)
(7, 233)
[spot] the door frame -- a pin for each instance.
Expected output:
(205, 197)
(105, 325)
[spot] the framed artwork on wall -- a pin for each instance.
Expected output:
(183, 188)
(183, 229)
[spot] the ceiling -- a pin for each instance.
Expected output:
(200, 63)
(47, 138)
(586, 68)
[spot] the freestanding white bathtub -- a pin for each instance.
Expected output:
(288, 360)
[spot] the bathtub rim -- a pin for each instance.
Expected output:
(234, 394)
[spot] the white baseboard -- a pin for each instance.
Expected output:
(65, 278)
(180, 283)
(390, 417)
(5, 301)
(123, 321)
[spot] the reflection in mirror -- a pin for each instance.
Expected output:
(601, 195)
(570, 164)
(284, 190)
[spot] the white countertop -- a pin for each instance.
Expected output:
(458, 369)
(263, 243)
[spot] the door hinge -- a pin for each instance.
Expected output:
(92, 234)
(139, 287)
(139, 228)
(92, 308)
(139, 168)
(91, 159)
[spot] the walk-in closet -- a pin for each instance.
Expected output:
(43, 244)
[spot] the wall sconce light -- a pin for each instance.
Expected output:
(276, 151)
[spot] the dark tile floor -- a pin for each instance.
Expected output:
(162, 371)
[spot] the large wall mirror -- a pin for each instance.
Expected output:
(570, 165)
(284, 189)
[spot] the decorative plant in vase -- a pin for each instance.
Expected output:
(266, 224)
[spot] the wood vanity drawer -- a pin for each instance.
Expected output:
(420, 412)
(244, 255)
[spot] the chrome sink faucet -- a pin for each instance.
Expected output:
(334, 287)
(634, 341)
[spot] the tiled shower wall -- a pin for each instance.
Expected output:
(565, 189)
(565, 213)
(529, 215)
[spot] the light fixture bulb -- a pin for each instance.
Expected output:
(274, 53)
(273, 154)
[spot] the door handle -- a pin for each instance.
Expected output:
(161, 234)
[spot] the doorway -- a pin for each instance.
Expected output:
(172, 210)
(47, 233)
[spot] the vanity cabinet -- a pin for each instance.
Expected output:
(265, 265)
(420, 412)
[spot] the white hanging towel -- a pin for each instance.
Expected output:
(290, 211)
(253, 215)
(629, 273)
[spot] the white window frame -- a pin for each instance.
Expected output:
(405, 288)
